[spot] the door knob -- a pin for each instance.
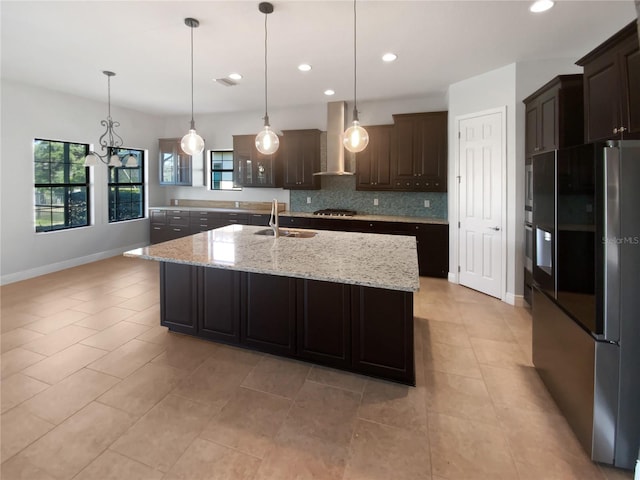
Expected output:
(497, 229)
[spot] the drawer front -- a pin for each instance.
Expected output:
(158, 217)
(178, 218)
(242, 218)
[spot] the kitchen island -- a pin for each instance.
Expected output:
(339, 299)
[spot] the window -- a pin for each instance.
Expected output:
(222, 170)
(126, 187)
(61, 185)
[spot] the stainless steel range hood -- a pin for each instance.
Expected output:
(335, 149)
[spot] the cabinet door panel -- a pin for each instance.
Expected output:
(324, 329)
(221, 305)
(268, 319)
(548, 122)
(631, 78)
(178, 294)
(602, 99)
(531, 135)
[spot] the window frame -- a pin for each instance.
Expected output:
(68, 186)
(213, 171)
(123, 153)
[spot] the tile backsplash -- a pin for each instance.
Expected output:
(340, 192)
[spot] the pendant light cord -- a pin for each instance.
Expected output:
(355, 65)
(192, 121)
(266, 110)
(109, 96)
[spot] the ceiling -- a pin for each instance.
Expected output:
(66, 45)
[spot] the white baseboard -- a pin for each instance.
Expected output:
(74, 262)
(515, 300)
(452, 277)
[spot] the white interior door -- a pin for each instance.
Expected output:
(481, 239)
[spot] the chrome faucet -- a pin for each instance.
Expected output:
(274, 222)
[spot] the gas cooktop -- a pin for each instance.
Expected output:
(335, 212)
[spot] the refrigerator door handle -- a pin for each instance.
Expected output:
(611, 245)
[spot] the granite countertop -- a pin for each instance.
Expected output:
(365, 217)
(214, 209)
(372, 260)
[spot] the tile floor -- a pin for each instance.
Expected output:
(94, 388)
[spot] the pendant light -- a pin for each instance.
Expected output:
(267, 141)
(109, 140)
(355, 138)
(192, 143)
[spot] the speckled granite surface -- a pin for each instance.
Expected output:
(372, 260)
(375, 218)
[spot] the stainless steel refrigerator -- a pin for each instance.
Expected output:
(586, 300)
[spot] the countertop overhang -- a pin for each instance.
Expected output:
(366, 259)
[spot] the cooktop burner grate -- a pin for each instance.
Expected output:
(335, 212)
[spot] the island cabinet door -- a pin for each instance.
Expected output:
(220, 318)
(268, 313)
(324, 322)
(178, 297)
(383, 333)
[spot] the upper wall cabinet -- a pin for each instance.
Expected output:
(420, 151)
(612, 87)
(178, 168)
(252, 168)
(373, 164)
(300, 159)
(554, 115)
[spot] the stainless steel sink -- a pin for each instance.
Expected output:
(288, 232)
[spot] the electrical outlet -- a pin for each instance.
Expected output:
(308, 200)
(237, 204)
(427, 204)
(375, 202)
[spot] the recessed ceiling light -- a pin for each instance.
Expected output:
(235, 76)
(389, 57)
(304, 67)
(329, 92)
(541, 6)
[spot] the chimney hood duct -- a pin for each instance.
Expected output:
(335, 149)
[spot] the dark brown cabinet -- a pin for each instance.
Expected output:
(175, 165)
(220, 305)
(432, 243)
(420, 152)
(179, 297)
(373, 164)
(324, 327)
(300, 159)
(554, 115)
(169, 225)
(252, 168)
(612, 87)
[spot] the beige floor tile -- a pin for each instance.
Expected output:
(51, 308)
(165, 432)
(279, 376)
(337, 378)
(453, 334)
(499, 354)
(157, 334)
(19, 428)
(16, 338)
(451, 359)
(18, 388)
(54, 295)
(16, 360)
(127, 358)
(184, 352)
(248, 422)
(19, 469)
(459, 396)
(105, 318)
(142, 302)
(99, 305)
(59, 340)
(63, 399)
(113, 466)
(295, 456)
(612, 473)
(62, 364)
(205, 460)
(13, 318)
(56, 321)
(380, 452)
(394, 404)
(72, 445)
(114, 336)
(440, 311)
(462, 448)
(522, 387)
(490, 329)
(322, 412)
(134, 290)
(215, 381)
(149, 316)
(142, 389)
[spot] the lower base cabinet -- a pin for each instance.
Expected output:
(360, 329)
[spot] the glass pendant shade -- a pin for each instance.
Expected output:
(267, 142)
(114, 161)
(131, 162)
(91, 160)
(192, 143)
(355, 138)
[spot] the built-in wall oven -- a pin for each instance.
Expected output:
(544, 227)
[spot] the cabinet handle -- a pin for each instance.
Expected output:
(177, 229)
(156, 228)
(619, 130)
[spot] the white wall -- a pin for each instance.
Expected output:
(29, 113)
(504, 87)
(218, 131)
